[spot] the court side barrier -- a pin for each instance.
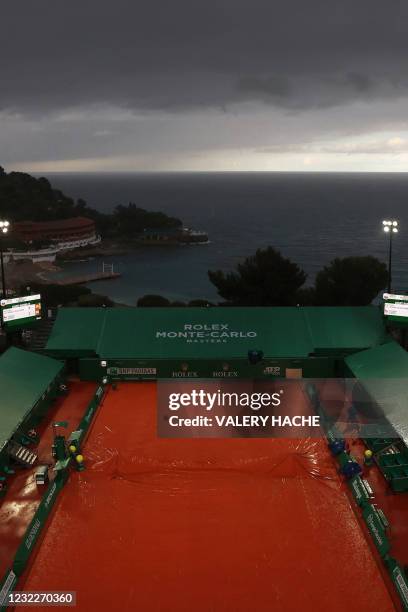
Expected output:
(399, 579)
(89, 414)
(43, 511)
(362, 493)
(35, 527)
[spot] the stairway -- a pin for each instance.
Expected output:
(41, 332)
(21, 454)
(40, 335)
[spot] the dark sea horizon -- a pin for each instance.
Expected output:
(310, 217)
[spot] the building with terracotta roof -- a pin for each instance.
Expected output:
(62, 230)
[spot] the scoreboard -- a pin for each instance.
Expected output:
(20, 311)
(396, 307)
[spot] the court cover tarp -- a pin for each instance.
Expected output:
(383, 372)
(204, 524)
(204, 333)
(24, 378)
(386, 361)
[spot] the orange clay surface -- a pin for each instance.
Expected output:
(204, 524)
(22, 498)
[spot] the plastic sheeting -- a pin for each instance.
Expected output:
(204, 524)
(23, 496)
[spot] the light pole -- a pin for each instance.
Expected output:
(390, 227)
(4, 228)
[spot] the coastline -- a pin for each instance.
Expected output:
(108, 248)
(23, 272)
(26, 272)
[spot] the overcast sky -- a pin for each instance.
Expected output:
(97, 85)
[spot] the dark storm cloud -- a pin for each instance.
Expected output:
(182, 54)
(272, 87)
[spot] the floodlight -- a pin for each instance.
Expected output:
(390, 227)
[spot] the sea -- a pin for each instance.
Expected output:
(309, 217)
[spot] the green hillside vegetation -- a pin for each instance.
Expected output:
(267, 278)
(26, 198)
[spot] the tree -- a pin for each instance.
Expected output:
(54, 295)
(306, 296)
(23, 197)
(264, 279)
(26, 198)
(151, 301)
(199, 303)
(94, 300)
(350, 281)
(131, 220)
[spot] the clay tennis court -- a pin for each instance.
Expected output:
(204, 524)
(18, 507)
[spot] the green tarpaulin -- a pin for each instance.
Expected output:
(203, 333)
(207, 333)
(343, 328)
(24, 379)
(386, 361)
(383, 372)
(76, 332)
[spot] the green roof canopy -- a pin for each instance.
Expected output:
(383, 372)
(345, 327)
(76, 332)
(24, 378)
(205, 333)
(386, 361)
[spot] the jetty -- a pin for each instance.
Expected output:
(88, 278)
(106, 273)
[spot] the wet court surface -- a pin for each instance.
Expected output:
(204, 524)
(23, 496)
